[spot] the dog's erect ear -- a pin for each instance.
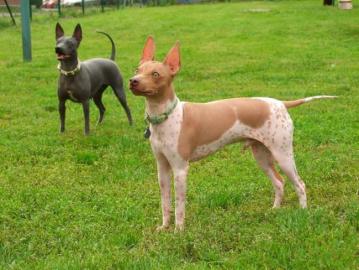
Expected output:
(173, 59)
(78, 34)
(59, 31)
(148, 53)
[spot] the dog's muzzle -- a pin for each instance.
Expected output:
(59, 50)
(134, 83)
(61, 55)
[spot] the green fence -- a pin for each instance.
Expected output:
(81, 7)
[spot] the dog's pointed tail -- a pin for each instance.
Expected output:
(295, 103)
(113, 51)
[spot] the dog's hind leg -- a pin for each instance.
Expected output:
(120, 94)
(265, 160)
(98, 102)
(286, 162)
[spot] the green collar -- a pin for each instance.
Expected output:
(70, 72)
(158, 119)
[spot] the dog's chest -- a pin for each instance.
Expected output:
(71, 95)
(73, 87)
(66, 88)
(164, 137)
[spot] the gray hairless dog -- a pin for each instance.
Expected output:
(80, 82)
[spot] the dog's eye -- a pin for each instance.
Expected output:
(155, 74)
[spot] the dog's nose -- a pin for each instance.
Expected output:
(58, 50)
(134, 82)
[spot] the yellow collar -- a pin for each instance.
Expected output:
(70, 72)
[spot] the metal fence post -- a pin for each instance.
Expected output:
(30, 10)
(102, 5)
(9, 10)
(26, 35)
(83, 6)
(59, 7)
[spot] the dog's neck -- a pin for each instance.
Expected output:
(158, 104)
(69, 64)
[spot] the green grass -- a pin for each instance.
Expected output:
(74, 202)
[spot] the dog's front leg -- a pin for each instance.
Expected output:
(62, 111)
(86, 109)
(164, 180)
(180, 175)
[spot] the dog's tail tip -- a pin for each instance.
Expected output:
(101, 32)
(318, 97)
(295, 103)
(113, 49)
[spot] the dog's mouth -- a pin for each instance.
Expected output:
(137, 92)
(61, 56)
(145, 92)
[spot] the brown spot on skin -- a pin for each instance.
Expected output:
(204, 123)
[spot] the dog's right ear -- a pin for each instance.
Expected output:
(78, 34)
(173, 59)
(59, 31)
(148, 53)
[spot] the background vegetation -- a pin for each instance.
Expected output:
(74, 202)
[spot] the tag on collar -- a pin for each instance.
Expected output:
(147, 133)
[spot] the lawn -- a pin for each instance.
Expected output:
(75, 202)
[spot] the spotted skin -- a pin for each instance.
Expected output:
(275, 135)
(164, 143)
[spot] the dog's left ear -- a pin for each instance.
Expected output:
(173, 59)
(78, 34)
(59, 31)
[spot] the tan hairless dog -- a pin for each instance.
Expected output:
(181, 132)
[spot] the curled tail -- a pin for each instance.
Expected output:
(295, 103)
(113, 52)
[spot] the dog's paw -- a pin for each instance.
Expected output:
(100, 121)
(162, 228)
(179, 228)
